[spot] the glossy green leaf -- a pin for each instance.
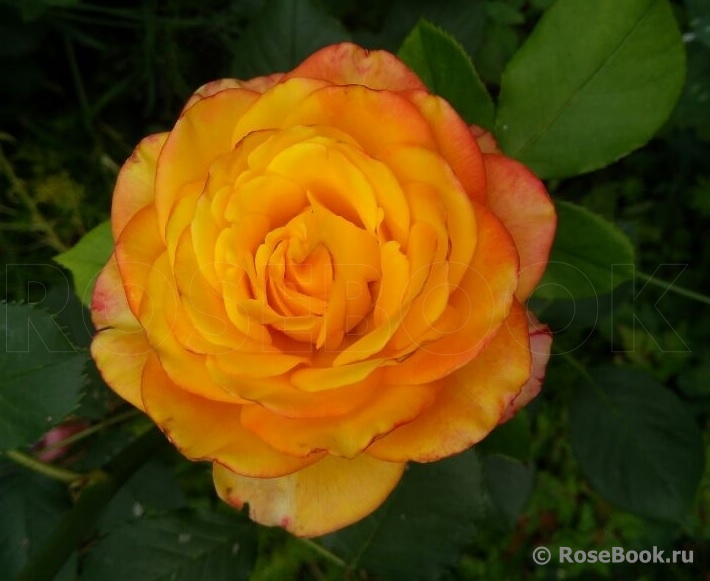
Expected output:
(424, 525)
(152, 488)
(447, 70)
(578, 96)
(498, 45)
(31, 506)
(502, 12)
(637, 443)
(87, 258)
(541, 4)
(180, 546)
(589, 257)
(511, 439)
(693, 110)
(63, 304)
(283, 34)
(509, 484)
(40, 375)
(97, 399)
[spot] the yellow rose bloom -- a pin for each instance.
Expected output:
(318, 277)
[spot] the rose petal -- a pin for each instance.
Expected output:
(349, 64)
(540, 345)
(347, 435)
(321, 498)
(326, 174)
(481, 301)
(120, 357)
(136, 250)
(109, 305)
(202, 133)
(205, 307)
(485, 139)
(278, 395)
(416, 165)
(274, 107)
(170, 331)
(519, 198)
(258, 84)
(455, 141)
(377, 120)
(208, 430)
(471, 402)
(135, 184)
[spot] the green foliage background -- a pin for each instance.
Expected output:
(612, 452)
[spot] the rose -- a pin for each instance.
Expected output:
(319, 277)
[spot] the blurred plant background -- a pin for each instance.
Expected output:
(82, 82)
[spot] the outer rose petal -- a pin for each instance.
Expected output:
(109, 305)
(346, 435)
(204, 429)
(520, 200)
(203, 133)
(121, 348)
(485, 139)
(134, 187)
(470, 404)
(258, 84)
(136, 250)
(349, 64)
(326, 496)
(540, 345)
(455, 142)
(120, 357)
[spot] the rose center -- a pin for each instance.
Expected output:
(299, 272)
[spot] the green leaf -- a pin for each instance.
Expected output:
(541, 4)
(511, 439)
(182, 545)
(589, 257)
(78, 524)
(637, 443)
(692, 111)
(153, 487)
(509, 483)
(699, 16)
(87, 258)
(503, 13)
(498, 44)
(577, 97)
(283, 34)
(97, 399)
(447, 70)
(70, 313)
(40, 375)
(30, 506)
(423, 527)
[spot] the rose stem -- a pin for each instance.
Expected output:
(44, 468)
